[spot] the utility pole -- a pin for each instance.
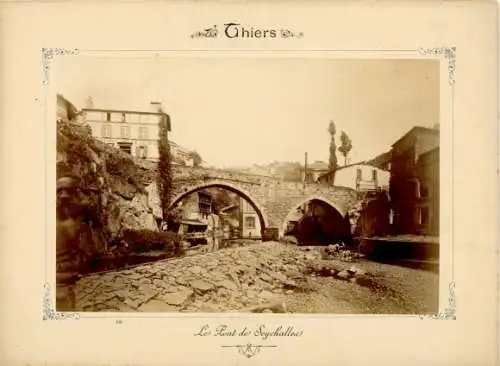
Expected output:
(305, 169)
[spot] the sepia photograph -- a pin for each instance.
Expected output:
(301, 185)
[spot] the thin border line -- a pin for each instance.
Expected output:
(243, 50)
(437, 56)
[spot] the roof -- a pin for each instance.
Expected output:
(366, 163)
(380, 159)
(121, 111)
(415, 130)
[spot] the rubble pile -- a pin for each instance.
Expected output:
(254, 278)
(339, 252)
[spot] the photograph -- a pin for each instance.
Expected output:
(247, 184)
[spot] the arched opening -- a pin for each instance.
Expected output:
(316, 221)
(237, 217)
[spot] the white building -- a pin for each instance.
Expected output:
(136, 132)
(360, 177)
(250, 220)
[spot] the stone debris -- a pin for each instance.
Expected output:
(255, 278)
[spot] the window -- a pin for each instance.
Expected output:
(359, 174)
(123, 117)
(124, 132)
(250, 222)
(108, 116)
(125, 146)
(143, 133)
(374, 175)
(423, 218)
(106, 131)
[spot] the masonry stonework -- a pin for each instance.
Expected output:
(273, 199)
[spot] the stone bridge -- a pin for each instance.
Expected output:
(272, 199)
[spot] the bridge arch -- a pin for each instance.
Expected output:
(242, 192)
(340, 210)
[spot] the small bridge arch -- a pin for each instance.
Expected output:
(320, 198)
(239, 190)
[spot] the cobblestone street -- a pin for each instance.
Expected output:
(263, 277)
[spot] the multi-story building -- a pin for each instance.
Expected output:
(361, 177)
(196, 210)
(428, 203)
(414, 182)
(136, 132)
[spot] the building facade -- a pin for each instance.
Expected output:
(135, 132)
(249, 221)
(196, 217)
(414, 182)
(361, 177)
(428, 200)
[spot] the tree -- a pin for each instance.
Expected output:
(345, 145)
(333, 149)
(164, 166)
(197, 160)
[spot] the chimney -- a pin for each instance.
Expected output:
(436, 126)
(89, 103)
(155, 107)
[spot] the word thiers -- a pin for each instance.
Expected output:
(235, 30)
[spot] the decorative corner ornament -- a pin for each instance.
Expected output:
(206, 33)
(248, 350)
(49, 313)
(285, 33)
(48, 55)
(450, 312)
(449, 53)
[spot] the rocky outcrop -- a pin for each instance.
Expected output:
(123, 193)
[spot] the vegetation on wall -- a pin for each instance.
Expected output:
(196, 157)
(332, 163)
(164, 167)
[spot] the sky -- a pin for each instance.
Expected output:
(254, 110)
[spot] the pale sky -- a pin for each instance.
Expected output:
(243, 111)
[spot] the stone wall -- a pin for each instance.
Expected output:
(272, 199)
